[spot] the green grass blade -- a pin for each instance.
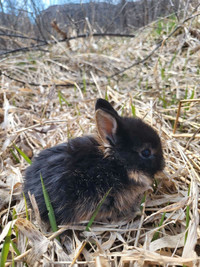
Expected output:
(84, 83)
(51, 215)
(172, 60)
(14, 214)
(5, 249)
(14, 155)
(13, 262)
(122, 111)
(156, 235)
(106, 95)
(133, 110)
(187, 217)
(142, 202)
(155, 185)
(60, 98)
(90, 223)
(192, 95)
(26, 207)
(163, 73)
(15, 248)
(97, 210)
(186, 93)
(23, 154)
(187, 222)
(14, 217)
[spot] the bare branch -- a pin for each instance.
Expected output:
(33, 47)
(22, 37)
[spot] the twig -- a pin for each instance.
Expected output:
(21, 36)
(66, 84)
(178, 113)
(137, 62)
(192, 138)
(19, 81)
(21, 256)
(29, 48)
(25, 49)
(177, 116)
(61, 32)
(78, 254)
(191, 135)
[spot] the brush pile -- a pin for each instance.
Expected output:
(48, 97)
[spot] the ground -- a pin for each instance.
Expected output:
(48, 97)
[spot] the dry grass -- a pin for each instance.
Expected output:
(35, 117)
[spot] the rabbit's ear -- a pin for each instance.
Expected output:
(105, 105)
(106, 126)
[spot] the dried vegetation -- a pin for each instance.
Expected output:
(48, 96)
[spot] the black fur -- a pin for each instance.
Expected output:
(77, 174)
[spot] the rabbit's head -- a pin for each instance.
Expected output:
(132, 142)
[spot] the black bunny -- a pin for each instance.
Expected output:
(124, 156)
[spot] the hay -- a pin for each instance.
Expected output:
(48, 97)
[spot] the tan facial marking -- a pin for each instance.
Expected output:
(139, 177)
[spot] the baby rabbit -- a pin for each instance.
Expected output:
(124, 155)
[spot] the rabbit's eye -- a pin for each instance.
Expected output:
(146, 153)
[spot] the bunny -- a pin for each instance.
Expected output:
(123, 156)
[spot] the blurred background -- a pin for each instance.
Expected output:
(34, 22)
